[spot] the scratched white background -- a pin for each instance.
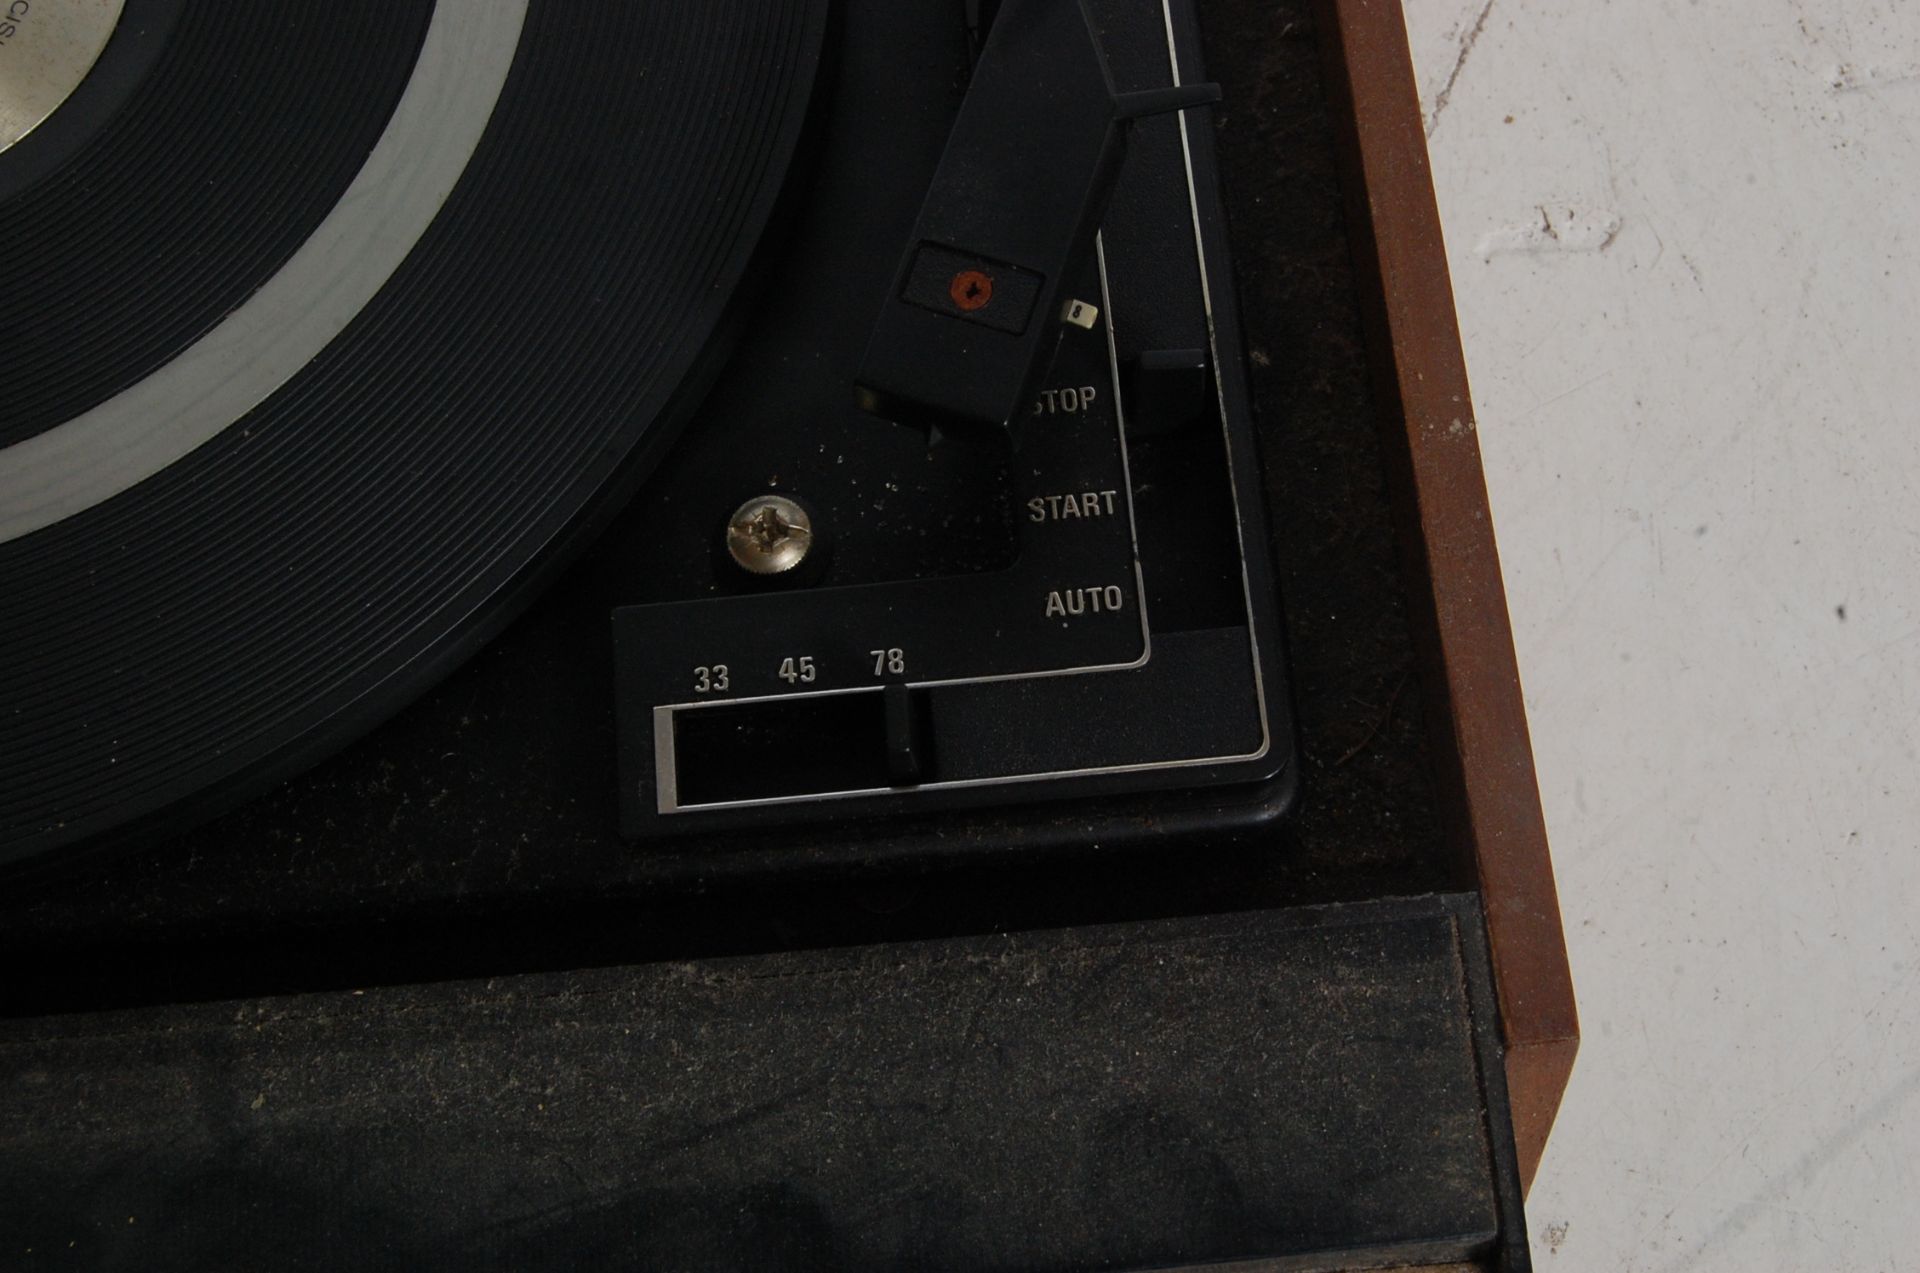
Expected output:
(1685, 239)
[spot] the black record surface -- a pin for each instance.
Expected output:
(352, 537)
(225, 156)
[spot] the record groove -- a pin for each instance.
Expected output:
(233, 147)
(300, 576)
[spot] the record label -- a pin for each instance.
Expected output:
(46, 49)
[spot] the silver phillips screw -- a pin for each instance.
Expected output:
(769, 534)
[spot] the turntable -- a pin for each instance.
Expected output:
(557, 491)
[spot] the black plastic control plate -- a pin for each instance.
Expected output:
(1090, 610)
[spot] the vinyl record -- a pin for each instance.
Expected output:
(326, 331)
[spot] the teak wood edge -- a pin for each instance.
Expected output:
(1456, 600)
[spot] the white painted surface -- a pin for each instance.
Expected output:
(1685, 238)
